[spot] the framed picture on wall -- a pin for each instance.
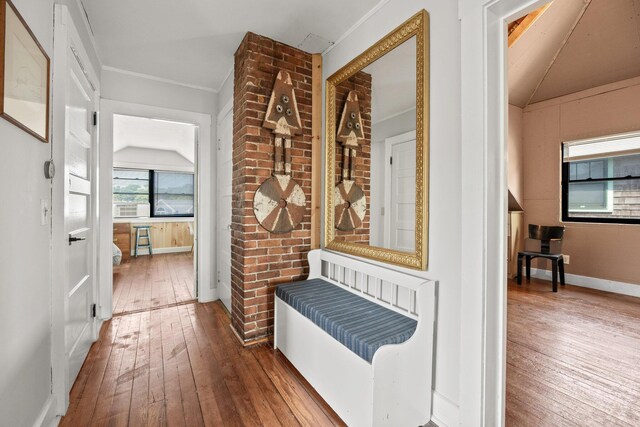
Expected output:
(24, 75)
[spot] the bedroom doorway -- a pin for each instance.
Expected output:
(154, 213)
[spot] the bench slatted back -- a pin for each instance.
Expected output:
(391, 289)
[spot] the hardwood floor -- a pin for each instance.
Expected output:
(153, 281)
(182, 366)
(573, 357)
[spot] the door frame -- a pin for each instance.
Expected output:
(388, 150)
(484, 103)
(66, 38)
(224, 111)
(204, 218)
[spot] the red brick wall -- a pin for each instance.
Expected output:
(260, 260)
(361, 83)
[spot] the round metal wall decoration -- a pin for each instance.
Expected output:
(279, 204)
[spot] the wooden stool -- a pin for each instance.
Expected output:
(147, 236)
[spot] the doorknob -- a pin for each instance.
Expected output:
(75, 239)
(229, 227)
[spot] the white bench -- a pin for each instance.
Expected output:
(393, 390)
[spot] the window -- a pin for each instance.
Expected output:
(135, 191)
(172, 194)
(601, 179)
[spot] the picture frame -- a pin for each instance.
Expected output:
(24, 75)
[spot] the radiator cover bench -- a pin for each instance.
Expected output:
(362, 335)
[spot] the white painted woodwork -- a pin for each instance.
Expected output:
(205, 185)
(400, 202)
(78, 217)
(74, 266)
(225, 193)
(364, 394)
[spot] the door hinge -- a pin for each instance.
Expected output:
(390, 160)
(95, 118)
(93, 310)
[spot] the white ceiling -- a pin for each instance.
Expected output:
(575, 45)
(139, 132)
(193, 41)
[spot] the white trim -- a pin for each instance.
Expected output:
(87, 26)
(355, 26)
(47, 416)
(158, 79)
(66, 39)
(445, 413)
(484, 105)
(606, 285)
(226, 77)
(222, 114)
(394, 115)
(160, 251)
(205, 218)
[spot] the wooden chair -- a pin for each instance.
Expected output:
(545, 234)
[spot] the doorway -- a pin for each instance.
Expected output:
(190, 247)
(154, 210)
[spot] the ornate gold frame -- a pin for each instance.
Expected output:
(417, 25)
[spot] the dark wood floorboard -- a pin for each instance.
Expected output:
(153, 281)
(182, 366)
(573, 357)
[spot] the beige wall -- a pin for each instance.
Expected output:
(515, 181)
(606, 251)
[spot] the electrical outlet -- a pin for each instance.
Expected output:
(567, 259)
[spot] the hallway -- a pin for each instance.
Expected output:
(183, 366)
(153, 281)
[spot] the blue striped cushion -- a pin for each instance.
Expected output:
(359, 324)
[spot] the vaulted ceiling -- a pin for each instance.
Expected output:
(575, 45)
(193, 41)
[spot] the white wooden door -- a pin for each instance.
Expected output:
(225, 171)
(402, 203)
(78, 217)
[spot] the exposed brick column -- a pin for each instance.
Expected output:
(260, 260)
(361, 83)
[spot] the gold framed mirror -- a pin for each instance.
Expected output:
(377, 150)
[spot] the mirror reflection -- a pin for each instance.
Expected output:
(375, 153)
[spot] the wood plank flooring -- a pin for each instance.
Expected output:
(573, 357)
(182, 366)
(153, 281)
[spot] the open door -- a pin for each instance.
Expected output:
(225, 171)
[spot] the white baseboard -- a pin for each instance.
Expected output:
(445, 413)
(591, 282)
(47, 415)
(144, 252)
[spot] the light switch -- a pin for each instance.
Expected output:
(44, 212)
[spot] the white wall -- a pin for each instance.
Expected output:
(149, 158)
(445, 172)
(25, 254)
